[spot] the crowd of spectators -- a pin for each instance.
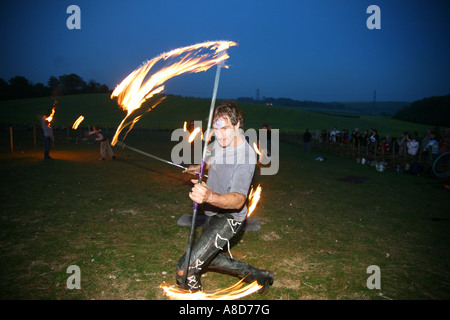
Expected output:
(411, 147)
(409, 143)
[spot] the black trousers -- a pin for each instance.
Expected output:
(206, 253)
(47, 144)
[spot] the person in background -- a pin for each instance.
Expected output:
(437, 134)
(413, 145)
(355, 136)
(433, 146)
(402, 142)
(306, 141)
(374, 137)
(324, 136)
(48, 134)
(104, 145)
(445, 142)
(333, 134)
(383, 147)
(365, 138)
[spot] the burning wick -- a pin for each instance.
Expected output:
(77, 122)
(50, 117)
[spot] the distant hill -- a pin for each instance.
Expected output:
(430, 111)
(384, 108)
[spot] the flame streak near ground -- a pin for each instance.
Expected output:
(135, 89)
(233, 292)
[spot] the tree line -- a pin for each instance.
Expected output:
(431, 111)
(19, 87)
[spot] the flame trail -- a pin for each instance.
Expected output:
(134, 90)
(194, 134)
(253, 199)
(233, 292)
(255, 147)
(77, 122)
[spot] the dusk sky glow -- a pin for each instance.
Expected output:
(319, 50)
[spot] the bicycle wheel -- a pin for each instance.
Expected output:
(441, 166)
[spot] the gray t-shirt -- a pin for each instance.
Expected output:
(231, 170)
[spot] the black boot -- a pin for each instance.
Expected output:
(263, 277)
(224, 264)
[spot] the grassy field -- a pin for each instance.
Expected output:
(116, 220)
(174, 110)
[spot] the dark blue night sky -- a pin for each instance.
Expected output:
(317, 50)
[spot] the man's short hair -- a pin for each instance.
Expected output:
(230, 109)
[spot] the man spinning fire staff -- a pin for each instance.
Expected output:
(231, 168)
(48, 131)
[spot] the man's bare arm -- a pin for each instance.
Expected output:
(201, 194)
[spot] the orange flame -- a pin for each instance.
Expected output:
(194, 134)
(77, 122)
(50, 117)
(253, 199)
(135, 90)
(185, 126)
(233, 292)
(256, 148)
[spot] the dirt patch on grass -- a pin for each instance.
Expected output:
(271, 236)
(287, 283)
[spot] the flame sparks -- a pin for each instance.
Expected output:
(233, 292)
(185, 126)
(50, 117)
(134, 90)
(77, 122)
(253, 199)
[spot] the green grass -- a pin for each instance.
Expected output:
(174, 110)
(116, 220)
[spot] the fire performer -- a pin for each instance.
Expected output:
(48, 132)
(104, 145)
(231, 168)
